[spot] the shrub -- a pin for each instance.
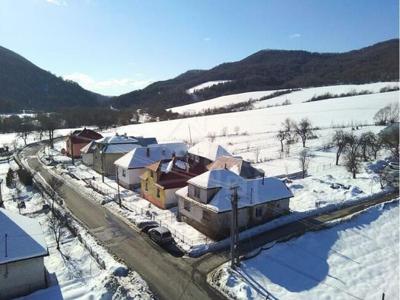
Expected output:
(24, 176)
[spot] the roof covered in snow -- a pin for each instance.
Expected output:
(250, 191)
(25, 238)
(208, 150)
(236, 165)
(143, 156)
(123, 143)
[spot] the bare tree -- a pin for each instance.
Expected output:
(24, 130)
(256, 154)
(304, 130)
(281, 136)
(211, 136)
(387, 114)
(340, 140)
(224, 131)
(352, 158)
(288, 127)
(236, 130)
(390, 139)
(56, 226)
(304, 160)
(49, 123)
(366, 141)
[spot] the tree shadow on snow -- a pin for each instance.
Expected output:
(301, 264)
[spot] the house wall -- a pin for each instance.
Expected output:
(131, 180)
(87, 159)
(217, 225)
(205, 194)
(21, 278)
(150, 193)
(109, 159)
(76, 147)
(171, 199)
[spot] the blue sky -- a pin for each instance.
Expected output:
(113, 47)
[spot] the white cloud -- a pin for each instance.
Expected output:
(57, 2)
(295, 35)
(112, 87)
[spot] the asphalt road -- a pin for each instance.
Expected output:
(170, 277)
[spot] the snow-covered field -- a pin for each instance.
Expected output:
(356, 259)
(205, 85)
(73, 272)
(294, 97)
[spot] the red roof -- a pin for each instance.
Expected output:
(84, 136)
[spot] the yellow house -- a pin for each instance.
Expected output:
(162, 179)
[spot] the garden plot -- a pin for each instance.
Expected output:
(356, 259)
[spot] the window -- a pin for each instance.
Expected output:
(258, 212)
(146, 187)
(123, 173)
(186, 205)
(196, 192)
(158, 193)
(152, 174)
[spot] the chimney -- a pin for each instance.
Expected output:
(263, 179)
(148, 152)
(125, 134)
(116, 134)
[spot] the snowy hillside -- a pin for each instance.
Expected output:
(338, 111)
(294, 97)
(205, 85)
(358, 259)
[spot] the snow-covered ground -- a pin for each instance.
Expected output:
(294, 97)
(356, 259)
(11, 139)
(73, 271)
(326, 113)
(206, 85)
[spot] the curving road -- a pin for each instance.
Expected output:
(169, 277)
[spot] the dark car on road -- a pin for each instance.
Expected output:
(147, 225)
(161, 235)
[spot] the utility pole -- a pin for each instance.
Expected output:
(102, 165)
(1, 195)
(71, 144)
(190, 135)
(5, 245)
(119, 195)
(234, 228)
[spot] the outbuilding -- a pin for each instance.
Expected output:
(22, 249)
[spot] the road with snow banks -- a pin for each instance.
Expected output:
(170, 277)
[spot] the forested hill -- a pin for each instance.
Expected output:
(24, 85)
(272, 69)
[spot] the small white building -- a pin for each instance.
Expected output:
(22, 248)
(133, 164)
(87, 153)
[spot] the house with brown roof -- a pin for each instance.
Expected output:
(237, 165)
(163, 178)
(79, 139)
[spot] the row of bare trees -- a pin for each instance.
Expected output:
(364, 147)
(291, 131)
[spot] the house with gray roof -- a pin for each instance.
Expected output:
(132, 165)
(108, 149)
(22, 249)
(205, 203)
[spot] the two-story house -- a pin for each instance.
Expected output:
(133, 164)
(205, 203)
(204, 153)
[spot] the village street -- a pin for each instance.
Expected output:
(169, 277)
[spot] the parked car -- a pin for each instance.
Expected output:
(161, 235)
(145, 226)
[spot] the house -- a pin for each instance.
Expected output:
(79, 139)
(206, 202)
(109, 149)
(87, 153)
(204, 153)
(237, 165)
(22, 249)
(132, 165)
(162, 179)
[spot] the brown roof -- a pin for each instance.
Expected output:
(246, 170)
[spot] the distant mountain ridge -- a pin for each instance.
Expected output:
(24, 85)
(271, 69)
